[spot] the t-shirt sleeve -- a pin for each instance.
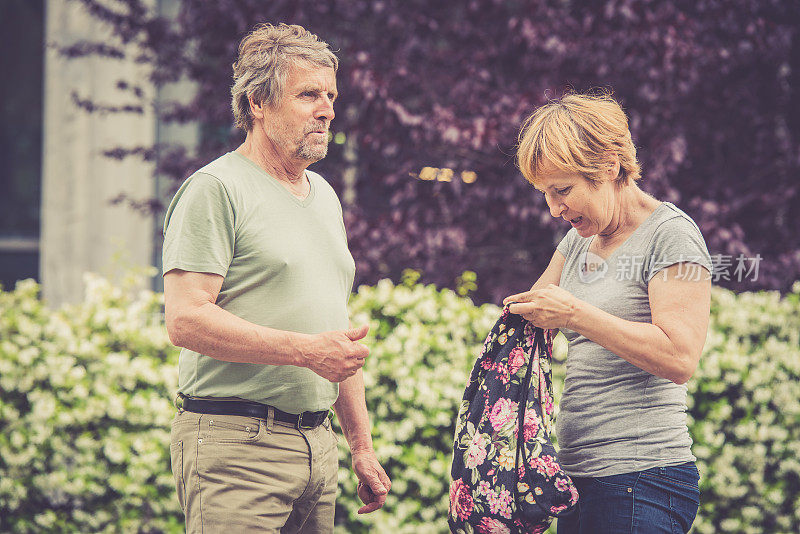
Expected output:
(677, 240)
(199, 227)
(567, 243)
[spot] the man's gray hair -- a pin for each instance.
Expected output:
(265, 56)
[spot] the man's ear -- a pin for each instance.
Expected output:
(256, 108)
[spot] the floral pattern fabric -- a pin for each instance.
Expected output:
(506, 479)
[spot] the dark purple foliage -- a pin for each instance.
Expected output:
(711, 88)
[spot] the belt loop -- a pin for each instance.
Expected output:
(270, 417)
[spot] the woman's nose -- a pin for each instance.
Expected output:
(556, 208)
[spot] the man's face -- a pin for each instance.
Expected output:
(297, 125)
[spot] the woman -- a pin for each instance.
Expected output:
(629, 287)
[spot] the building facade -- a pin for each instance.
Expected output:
(69, 223)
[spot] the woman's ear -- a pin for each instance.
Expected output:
(613, 166)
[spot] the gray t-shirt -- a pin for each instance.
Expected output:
(285, 264)
(614, 417)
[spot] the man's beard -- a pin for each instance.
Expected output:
(306, 148)
(311, 151)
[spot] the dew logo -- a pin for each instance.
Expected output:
(591, 267)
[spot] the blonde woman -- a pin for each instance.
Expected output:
(629, 287)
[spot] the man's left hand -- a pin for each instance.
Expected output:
(373, 482)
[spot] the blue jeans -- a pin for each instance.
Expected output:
(658, 500)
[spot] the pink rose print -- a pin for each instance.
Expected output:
(516, 359)
(573, 494)
(503, 411)
(476, 452)
(506, 499)
(528, 333)
(492, 526)
(531, 426)
(548, 405)
(502, 372)
(500, 503)
(488, 340)
(547, 401)
(460, 500)
(528, 528)
(546, 465)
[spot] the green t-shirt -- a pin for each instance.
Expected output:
(285, 264)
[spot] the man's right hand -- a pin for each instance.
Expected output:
(336, 355)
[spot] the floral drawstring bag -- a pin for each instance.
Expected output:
(505, 477)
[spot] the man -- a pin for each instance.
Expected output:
(257, 275)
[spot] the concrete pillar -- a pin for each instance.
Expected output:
(81, 230)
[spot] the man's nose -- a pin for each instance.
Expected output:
(324, 110)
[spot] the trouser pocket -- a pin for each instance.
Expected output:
(176, 458)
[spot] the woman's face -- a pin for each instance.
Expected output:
(589, 208)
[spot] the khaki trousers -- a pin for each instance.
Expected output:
(243, 474)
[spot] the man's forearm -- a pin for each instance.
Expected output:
(351, 410)
(212, 331)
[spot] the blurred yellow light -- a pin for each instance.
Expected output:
(469, 176)
(445, 175)
(428, 173)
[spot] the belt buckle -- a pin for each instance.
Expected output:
(179, 398)
(301, 424)
(314, 420)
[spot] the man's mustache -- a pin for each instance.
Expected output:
(316, 127)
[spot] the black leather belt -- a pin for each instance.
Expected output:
(305, 420)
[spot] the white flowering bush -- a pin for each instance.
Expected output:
(744, 406)
(423, 343)
(86, 402)
(84, 413)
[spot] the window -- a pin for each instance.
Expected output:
(21, 95)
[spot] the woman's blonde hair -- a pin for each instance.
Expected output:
(265, 56)
(578, 134)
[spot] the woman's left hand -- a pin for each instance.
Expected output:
(549, 307)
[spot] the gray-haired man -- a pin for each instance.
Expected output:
(257, 275)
